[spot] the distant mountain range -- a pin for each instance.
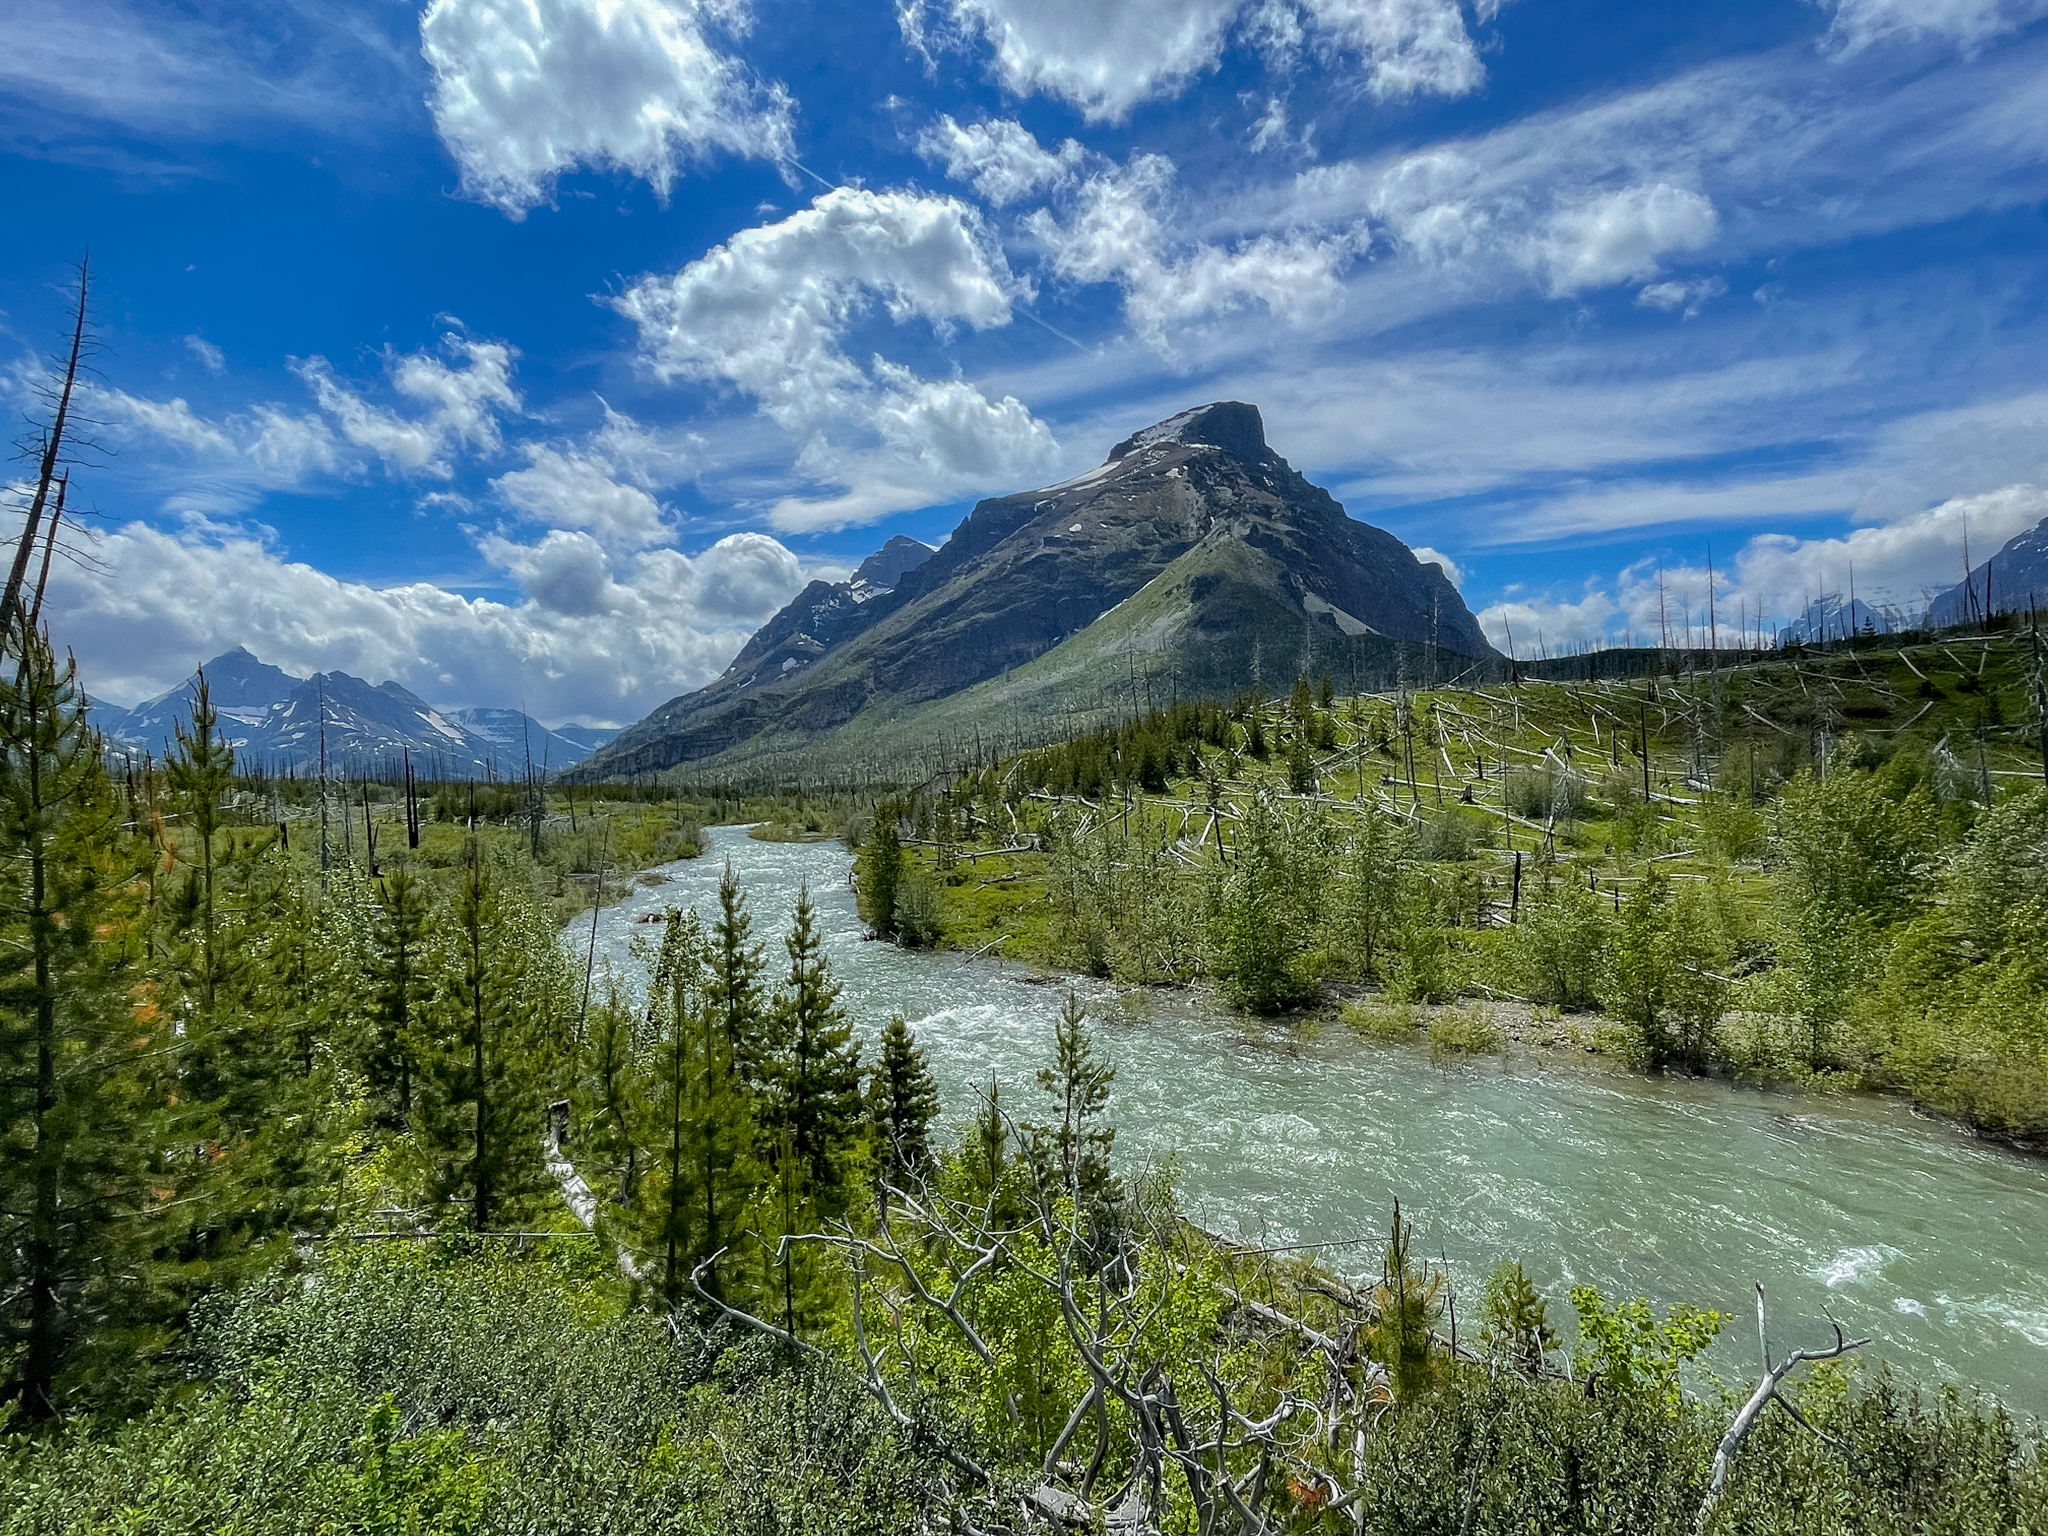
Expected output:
(2013, 580)
(1832, 618)
(277, 722)
(1193, 562)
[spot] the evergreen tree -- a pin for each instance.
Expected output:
(202, 776)
(987, 1149)
(815, 1070)
(1073, 1150)
(737, 995)
(880, 872)
(401, 939)
(902, 1103)
(73, 1114)
(248, 1162)
(1371, 899)
(484, 1125)
(693, 1116)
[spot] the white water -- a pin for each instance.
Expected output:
(1676, 1189)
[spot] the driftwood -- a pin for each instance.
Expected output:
(1767, 1392)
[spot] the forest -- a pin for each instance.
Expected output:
(345, 1193)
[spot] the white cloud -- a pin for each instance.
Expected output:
(1108, 56)
(1115, 232)
(626, 639)
(1001, 158)
(575, 489)
(1620, 236)
(1426, 555)
(1104, 56)
(1270, 131)
(768, 311)
(1690, 296)
(1858, 24)
(462, 403)
(527, 89)
(271, 447)
(1893, 567)
(210, 357)
(1900, 562)
(242, 454)
(1407, 47)
(1531, 626)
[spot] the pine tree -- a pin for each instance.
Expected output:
(987, 1151)
(737, 996)
(1074, 1149)
(249, 1162)
(815, 1071)
(881, 873)
(72, 1108)
(202, 775)
(693, 1116)
(902, 1103)
(401, 939)
(1639, 967)
(485, 1123)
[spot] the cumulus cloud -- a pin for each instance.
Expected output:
(210, 357)
(462, 402)
(527, 89)
(1894, 567)
(1528, 625)
(455, 399)
(1107, 58)
(576, 489)
(239, 455)
(1620, 236)
(1001, 159)
(1103, 58)
(767, 312)
(593, 641)
(1901, 562)
(1115, 231)
(1407, 47)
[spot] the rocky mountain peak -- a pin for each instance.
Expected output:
(887, 565)
(1227, 424)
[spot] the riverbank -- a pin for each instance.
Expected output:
(1715, 873)
(1674, 1187)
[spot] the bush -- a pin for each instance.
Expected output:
(1389, 1021)
(1467, 1031)
(1542, 793)
(917, 911)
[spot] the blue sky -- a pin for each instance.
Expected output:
(537, 350)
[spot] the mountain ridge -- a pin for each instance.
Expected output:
(1272, 575)
(275, 722)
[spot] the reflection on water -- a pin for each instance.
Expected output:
(1674, 1189)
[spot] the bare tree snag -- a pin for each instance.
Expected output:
(50, 456)
(1767, 1392)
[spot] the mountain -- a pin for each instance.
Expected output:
(887, 566)
(1194, 560)
(1831, 617)
(275, 723)
(516, 735)
(2015, 579)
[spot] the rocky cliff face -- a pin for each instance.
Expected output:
(1239, 565)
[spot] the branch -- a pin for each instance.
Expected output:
(1766, 1393)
